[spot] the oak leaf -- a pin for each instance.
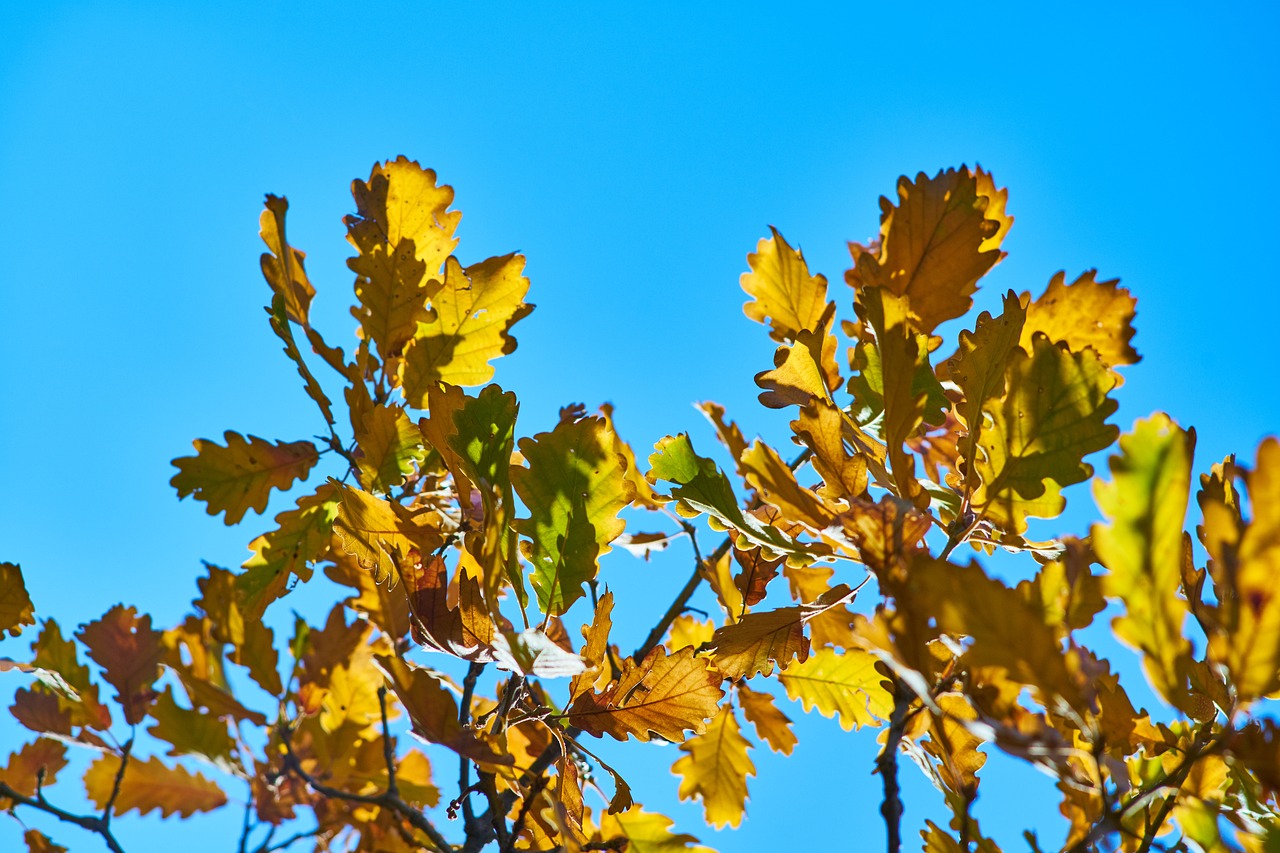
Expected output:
(574, 487)
(383, 606)
(149, 784)
(846, 684)
(1085, 313)
(464, 630)
(755, 572)
(822, 427)
(282, 266)
(190, 732)
(390, 445)
(804, 370)
(53, 653)
(784, 295)
(16, 608)
(773, 726)
(715, 770)
(689, 630)
(130, 653)
(23, 770)
(240, 476)
(433, 711)
(596, 649)
(475, 309)
(645, 832)
(1053, 415)
(776, 483)
(759, 640)
(663, 695)
(382, 535)
(941, 237)
(1141, 546)
(301, 537)
(38, 842)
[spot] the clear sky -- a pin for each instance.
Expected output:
(635, 153)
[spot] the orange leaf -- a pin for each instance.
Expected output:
(130, 654)
(773, 726)
(662, 695)
(240, 476)
(38, 842)
(16, 608)
(149, 785)
(24, 766)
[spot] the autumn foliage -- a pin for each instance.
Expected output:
(837, 568)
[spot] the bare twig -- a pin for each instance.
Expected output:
(91, 823)
(388, 745)
(118, 781)
(887, 764)
(464, 763)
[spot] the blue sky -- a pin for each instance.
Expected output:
(635, 155)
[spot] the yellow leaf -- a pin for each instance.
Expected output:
(823, 428)
(352, 697)
(474, 309)
(301, 536)
(768, 474)
(829, 627)
(574, 487)
(785, 296)
(935, 244)
(22, 771)
(390, 445)
(148, 785)
(955, 747)
(240, 476)
(715, 770)
(840, 683)
(773, 726)
(282, 267)
(646, 832)
(1141, 546)
(1052, 416)
(385, 607)
(596, 650)
(755, 572)
(130, 654)
(1085, 313)
(16, 608)
(689, 630)
(805, 370)
(381, 535)
(1249, 643)
(663, 695)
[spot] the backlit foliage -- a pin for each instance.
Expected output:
(454, 535)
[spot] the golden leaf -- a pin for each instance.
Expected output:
(148, 785)
(773, 726)
(282, 267)
(596, 650)
(785, 296)
(474, 309)
(689, 630)
(644, 494)
(240, 476)
(805, 370)
(1141, 546)
(301, 536)
(574, 487)
(955, 746)
(727, 432)
(840, 683)
(935, 244)
(16, 608)
(190, 732)
(830, 626)
(664, 695)
(645, 832)
(252, 641)
(22, 771)
(383, 606)
(1085, 313)
(433, 711)
(383, 537)
(390, 445)
(758, 641)
(130, 654)
(822, 427)
(1052, 416)
(715, 770)
(766, 472)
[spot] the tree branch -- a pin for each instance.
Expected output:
(887, 764)
(92, 824)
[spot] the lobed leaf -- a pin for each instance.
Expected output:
(773, 726)
(1086, 313)
(663, 695)
(784, 295)
(646, 832)
(845, 684)
(130, 653)
(390, 445)
(282, 265)
(715, 770)
(301, 537)
(240, 476)
(16, 608)
(149, 785)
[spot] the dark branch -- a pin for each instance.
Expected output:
(92, 824)
(887, 764)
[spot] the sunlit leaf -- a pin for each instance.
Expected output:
(1141, 546)
(574, 487)
(23, 770)
(805, 370)
(464, 630)
(646, 832)
(282, 265)
(16, 608)
(784, 295)
(190, 732)
(381, 535)
(773, 726)
(433, 711)
(663, 695)
(822, 427)
(596, 649)
(390, 445)
(301, 536)
(239, 477)
(1085, 313)
(52, 652)
(149, 784)
(845, 683)
(715, 770)
(941, 237)
(129, 652)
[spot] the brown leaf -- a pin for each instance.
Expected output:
(433, 711)
(149, 784)
(596, 650)
(53, 653)
(758, 641)
(23, 769)
(465, 631)
(130, 653)
(16, 608)
(662, 695)
(38, 842)
(755, 573)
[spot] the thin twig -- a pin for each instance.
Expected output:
(525, 806)
(288, 842)
(464, 763)
(1161, 816)
(388, 745)
(887, 764)
(91, 823)
(115, 785)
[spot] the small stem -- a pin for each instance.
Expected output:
(887, 764)
(1161, 816)
(388, 745)
(115, 785)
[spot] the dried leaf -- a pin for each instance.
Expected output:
(148, 785)
(715, 770)
(282, 266)
(596, 650)
(22, 771)
(433, 711)
(53, 653)
(773, 726)
(662, 695)
(758, 641)
(16, 608)
(38, 842)
(130, 653)
(240, 476)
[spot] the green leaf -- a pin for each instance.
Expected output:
(574, 488)
(191, 732)
(302, 536)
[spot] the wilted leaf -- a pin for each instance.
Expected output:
(1085, 313)
(282, 266)
(301, 537)
(130, 653)
(785, 296)
(16, 608)
(845, 683)
(1146, 503)
(715, 770)
(574, 488)
(935, 244)
(1052, 416)
(663, 695)
(773, 726)
(148, 785)
(239, 477)
(474, 310)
